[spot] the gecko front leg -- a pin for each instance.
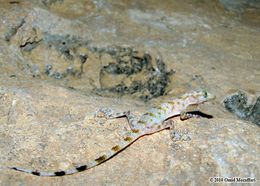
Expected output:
(170, 124)
(187, 115)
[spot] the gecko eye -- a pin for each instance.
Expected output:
(205, 94)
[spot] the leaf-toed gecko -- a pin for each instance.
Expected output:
(152, 121)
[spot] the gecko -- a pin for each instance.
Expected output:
(152, 121)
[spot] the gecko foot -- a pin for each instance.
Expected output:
(102, 115)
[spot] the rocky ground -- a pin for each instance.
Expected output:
(61, 61)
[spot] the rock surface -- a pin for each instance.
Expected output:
(60, 61)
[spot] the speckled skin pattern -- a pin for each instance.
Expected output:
(150, 122)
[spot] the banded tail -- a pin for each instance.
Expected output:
(106, 156)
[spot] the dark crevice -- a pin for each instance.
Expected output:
(13, 30)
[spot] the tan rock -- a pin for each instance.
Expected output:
(53, 54)
(53, 129)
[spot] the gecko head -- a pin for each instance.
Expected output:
(197, 97)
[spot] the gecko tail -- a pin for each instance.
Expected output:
(36, 173)
(106, 156)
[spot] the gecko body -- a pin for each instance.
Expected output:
(151, 121)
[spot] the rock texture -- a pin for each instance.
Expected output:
(61, 61)
(238, 105)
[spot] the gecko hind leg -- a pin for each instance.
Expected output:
(130, 117)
